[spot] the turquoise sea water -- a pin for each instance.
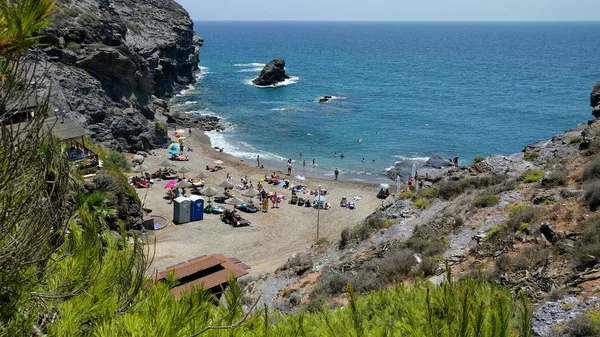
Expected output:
(405, 90)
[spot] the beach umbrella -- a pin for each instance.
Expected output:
(202, 175)
(385, 186)
(181, 137)
(180, 131)
(320, 198)
(170, 184)
(234, 201)
(174, 146)
(141, 168)
(183, 184)
(226, 184)
(173, 151)
(183, 170)
(251, 193)
(299, 177)
(166, 163)
(218, 162)
(209, 192)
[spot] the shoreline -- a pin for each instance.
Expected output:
(272, 165)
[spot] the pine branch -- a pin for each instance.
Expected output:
(228, 327)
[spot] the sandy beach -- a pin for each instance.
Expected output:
(273, 237)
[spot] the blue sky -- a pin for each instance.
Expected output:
(394, 10)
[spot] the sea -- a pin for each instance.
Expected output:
(401, 91)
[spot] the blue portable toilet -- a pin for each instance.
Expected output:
(181, 210)
(197, 208)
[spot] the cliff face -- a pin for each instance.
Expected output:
(112, 62)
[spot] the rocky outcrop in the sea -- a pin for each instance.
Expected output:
(595, 100)
(112, 63)
(272, 73)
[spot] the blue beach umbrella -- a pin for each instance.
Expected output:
(385, 186)
(173, 152)
(174, 146)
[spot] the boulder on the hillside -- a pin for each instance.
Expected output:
(272, 73)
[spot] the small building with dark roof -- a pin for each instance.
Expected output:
(206, 272)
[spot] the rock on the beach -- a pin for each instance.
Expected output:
(272, 73)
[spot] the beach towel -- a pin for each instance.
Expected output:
(281, 184)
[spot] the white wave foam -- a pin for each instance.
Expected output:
(251, 70)
(204, 112)
(291, 80)
(249, 65)
(190, 102)
(185, 91)
(412, 158)
(241, 150)
(284, 109)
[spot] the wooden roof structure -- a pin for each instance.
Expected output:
(207, 272)
(63, 128)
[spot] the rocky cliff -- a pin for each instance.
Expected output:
(112, 64)
(595, 100)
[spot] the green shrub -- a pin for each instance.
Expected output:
(134, 27)
(429, 192)
(421, 203)
(592, 170)
(334, 282)
(73, 46)
(119, 193)
(531, 156)
(485, 200)
(585, 325)
(592, 195)
(587, 249)
(534, 256)
(449, 189)
(532, 176)
(556, 178)
(574, 140)
(119, 160)
(520, 214)
(407, 195)
(477, 160)
(496, 231)
(160, 128)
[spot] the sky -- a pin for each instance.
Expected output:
(393, 10)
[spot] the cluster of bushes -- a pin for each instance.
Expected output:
(531, 156)
(118, 160)
(519, 218)
(534, 256)
(396, 265)
(477, 160)
(532, 176)
(485, 200)
(449, 189)
(363, 231)
(585, 325)
(587, 250)
(119, 193)
(591, 184)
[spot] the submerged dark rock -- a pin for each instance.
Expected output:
(272, 73)
(112, 64)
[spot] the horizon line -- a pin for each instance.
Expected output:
(407, 21)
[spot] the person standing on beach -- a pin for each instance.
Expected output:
(304, 163)
(313, 161)
(336, 173)
(289, 166)
(456, 160)
(190, 131)
(258, 160)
